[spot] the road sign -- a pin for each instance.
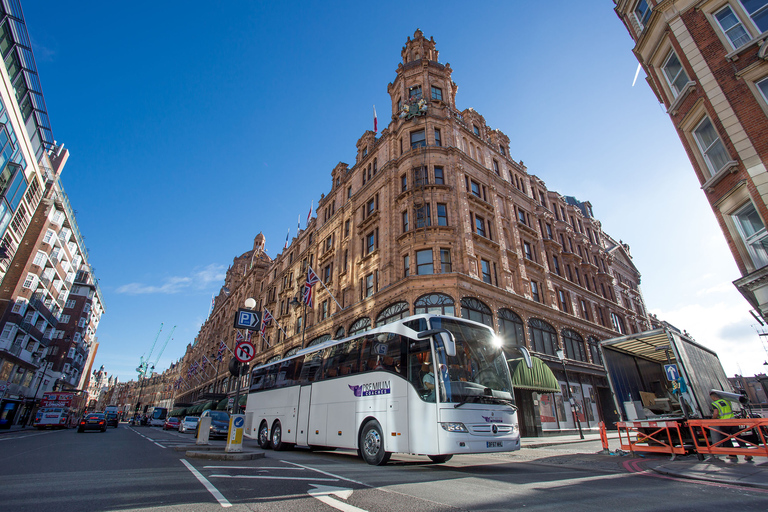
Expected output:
(671, 371)
(245, 351)
(247, 319)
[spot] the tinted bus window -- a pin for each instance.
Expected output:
(383, 352)
(343, 359)
(311, 367)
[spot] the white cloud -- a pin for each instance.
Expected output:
(199, 279)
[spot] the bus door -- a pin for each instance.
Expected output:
(422, 398)
(302, 420)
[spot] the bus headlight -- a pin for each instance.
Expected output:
(515, 427)
(454, 427)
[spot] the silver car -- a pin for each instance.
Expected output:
(188, 424)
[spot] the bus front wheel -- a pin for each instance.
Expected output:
(372, 444)
(439, 459)
(264, 436)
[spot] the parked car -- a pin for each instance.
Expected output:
(219, 423)
(189, 423)
(92, 421)
(111, 418)
(172, 423)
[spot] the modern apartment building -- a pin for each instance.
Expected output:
(435, 215)
(41, 250)
(706, 63)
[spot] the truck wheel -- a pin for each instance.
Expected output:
(372, 444)
(263, 436)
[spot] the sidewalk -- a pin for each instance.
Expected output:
(722, 471)
(15, 428)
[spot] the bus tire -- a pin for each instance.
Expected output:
(263, 437)
(277, 438)
(372, 444)
(439, 459)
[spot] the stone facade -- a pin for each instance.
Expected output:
(706, 62)
(436, 216)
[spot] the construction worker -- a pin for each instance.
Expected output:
(721, 410)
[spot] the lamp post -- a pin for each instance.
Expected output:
(561, 357)
(44, 363)
(295, 303)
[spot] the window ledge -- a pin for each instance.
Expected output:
(368, 221)
(481, 202)
(759, 40)
(687, 89)
(728, 168)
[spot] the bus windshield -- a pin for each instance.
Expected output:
(159, 413)
(478, 373)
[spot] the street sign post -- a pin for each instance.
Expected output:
(245, 351)
(671, 372)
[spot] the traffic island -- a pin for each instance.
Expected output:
(220, 454)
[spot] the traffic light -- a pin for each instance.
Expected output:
(235, 367)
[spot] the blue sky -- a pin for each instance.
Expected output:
(194, 126)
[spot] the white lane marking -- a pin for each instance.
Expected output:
(321, 493)
(158, 444)
(269, 477)
(208, 485)
(326, 473)
(28, 435)
(252, 467)
(147, 438)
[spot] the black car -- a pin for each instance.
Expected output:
(92, 421)
(111, 418)
(219, 423)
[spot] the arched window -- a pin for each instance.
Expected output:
(339, 333)
(543, 336)
(436, 303)
(574, 345)
(511, 327)
(391, 313)
(473, 309)
(272, 359)
(360, 325)
(291, 352)
(319, 339)
(594, 350)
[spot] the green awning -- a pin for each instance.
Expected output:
(536, 378)
(222, 405)
(243, 399)
(207, 406)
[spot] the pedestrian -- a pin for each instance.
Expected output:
(721, 410)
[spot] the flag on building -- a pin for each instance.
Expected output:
(213, 303)
(312, 277)
(375, 121)
(298, 225)
(307, 295)
(222, 348)
(265, 319)
(309, 215)
(286, 239)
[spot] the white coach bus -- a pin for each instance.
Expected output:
(426, 385)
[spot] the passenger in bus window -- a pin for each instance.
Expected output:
(428, 379)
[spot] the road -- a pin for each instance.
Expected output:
(136, 468)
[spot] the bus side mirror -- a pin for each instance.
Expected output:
(449, 343)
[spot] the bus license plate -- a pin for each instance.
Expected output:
(494, 444)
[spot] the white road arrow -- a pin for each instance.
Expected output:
(323, 492)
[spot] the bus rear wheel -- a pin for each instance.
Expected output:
(277, 438)
(372, 444)
(263, 437)
(439, 459)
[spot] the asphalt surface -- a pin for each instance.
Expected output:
(137, 469)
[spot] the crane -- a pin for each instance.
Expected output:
(163, 349)
(144, 364)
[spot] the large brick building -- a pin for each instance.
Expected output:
(706, 63)
(436, 216)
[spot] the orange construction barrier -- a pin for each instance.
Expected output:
(651, 436)
(749, 433)
(603, 436)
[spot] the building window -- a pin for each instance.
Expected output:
(438, 141)
(436, 303)
(496, 167)
(511, 328)
(584, 310)
(414, 92)
(439, 179)
(485, 267)
(420, 177)
(445, 261)
(437, 93)
(406, 266)
(528, 251)
(424, 262)
(477, 311)
(423, 216)
(535, 291)
(556, 265)
(476, 130)
(392, 313)
(618, 323)
(418, 139)
(675, 74)
(763, 86)
(324, 310)
(370, 207)
(405, 221)
(642, 12)
(369, 285)
(327, 272)
(30, 282)
(442, 214)
(370, 243)
(346, 228)
(480, 226)
(502, 150)
(732, 26)
(403, 183)
(753, 232)
(574, 345)
(594, 350)
(543, 336)
(549, 231)
(475, 188)
(563, 299)
(711, 146)
(349, 192)
(40, 258)
(521, 217)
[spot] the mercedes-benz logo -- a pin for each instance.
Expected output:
(494, 429)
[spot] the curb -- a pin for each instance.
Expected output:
(729, 481)
(221, 455)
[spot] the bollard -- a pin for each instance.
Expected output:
(235, 434)
(204, 430)
(604, 437)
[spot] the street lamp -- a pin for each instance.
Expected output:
(44, 364)
(295, 303)
(561, 357)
